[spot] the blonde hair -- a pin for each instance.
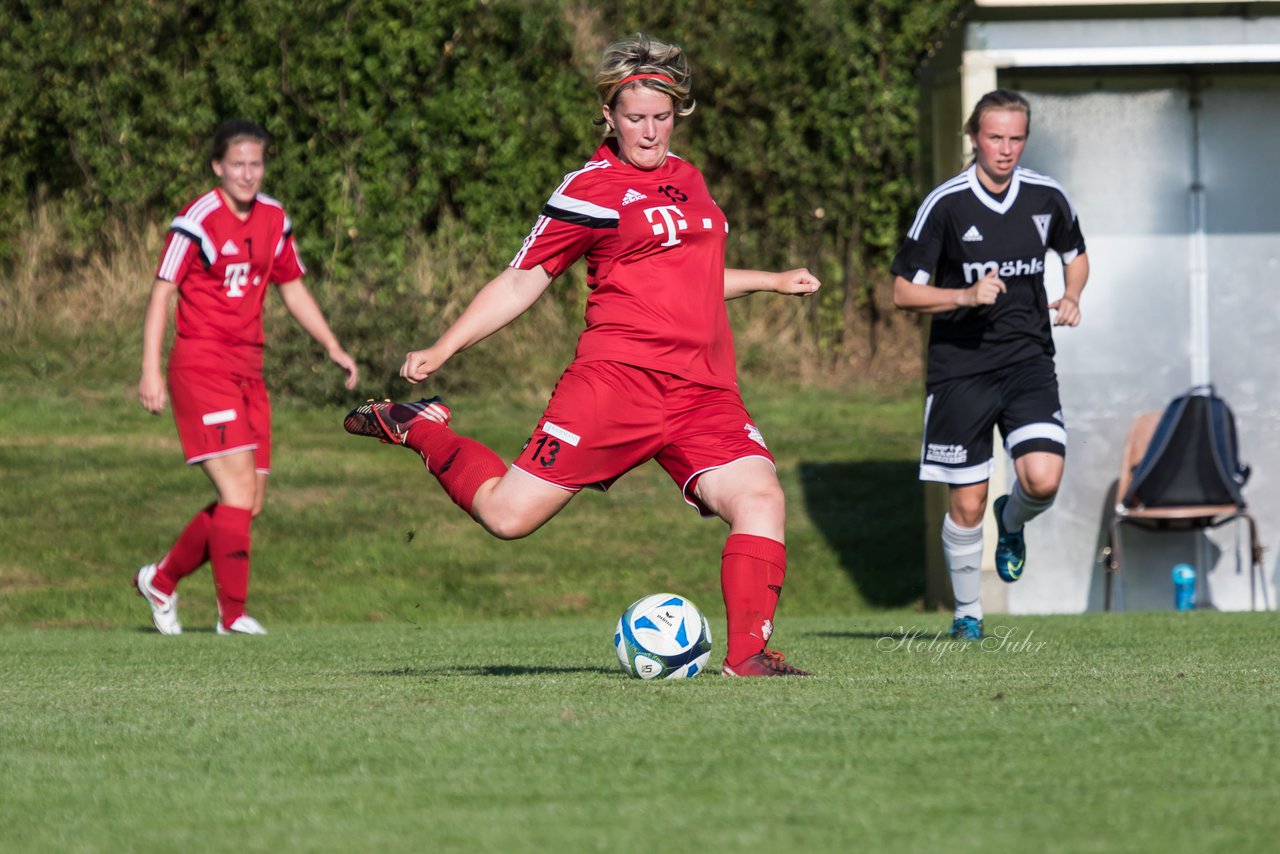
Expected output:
(640, 54)
(997, 99)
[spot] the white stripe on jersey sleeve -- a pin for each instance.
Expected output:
(538, 227)
(297, 257)
(579, 206)
(189, 226)
(953, 185)
(205, 205)
(1045, 181)
(173, 257)
(560, 200)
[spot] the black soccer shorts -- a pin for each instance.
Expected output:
(1022, 400)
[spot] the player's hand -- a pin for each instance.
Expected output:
(421, 364)
(340, 358)
(151, 393)
(986, 291)
(798, 283)
(1068, 312)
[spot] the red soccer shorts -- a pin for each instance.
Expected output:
(606, 418)
(219, 414)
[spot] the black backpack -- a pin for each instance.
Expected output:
(1192, 458)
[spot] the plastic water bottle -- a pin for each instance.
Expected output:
(1184, 587)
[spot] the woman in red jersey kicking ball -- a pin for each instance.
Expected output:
(654, 375)
(223, 250)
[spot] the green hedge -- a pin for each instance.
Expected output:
(400, 124)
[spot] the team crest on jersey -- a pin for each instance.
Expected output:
(230, 248)
(632, 196)
(1042, 226)
(754, 434)
(972, 235)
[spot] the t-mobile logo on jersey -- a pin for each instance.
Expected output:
(672, 222)
(236, 279)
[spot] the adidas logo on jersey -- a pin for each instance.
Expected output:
(632, 196)
(230, 248)
(972, 235)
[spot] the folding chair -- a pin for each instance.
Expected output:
(1183, 518)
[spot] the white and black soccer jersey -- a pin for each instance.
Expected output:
(962, 232)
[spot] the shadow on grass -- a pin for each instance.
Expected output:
(484, 670)
(872, 514)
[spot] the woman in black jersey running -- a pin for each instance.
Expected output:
(974, 260)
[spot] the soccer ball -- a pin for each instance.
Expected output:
(662, 636)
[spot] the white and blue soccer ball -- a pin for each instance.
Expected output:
(662, 636)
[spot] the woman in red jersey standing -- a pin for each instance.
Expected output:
(223, 251)
(654, 374)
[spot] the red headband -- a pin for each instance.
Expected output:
(664, 78)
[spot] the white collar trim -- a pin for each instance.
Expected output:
(985, 197)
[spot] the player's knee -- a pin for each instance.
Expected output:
(967, 511)
(1041, 485)
(235, 492)
(508, 527)
(965, 516)
(765, 502)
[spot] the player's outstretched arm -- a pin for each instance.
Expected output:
(151, 388)
(798, 282)
(927, 299)
(1074, 275)
(304, 310)
(507, 296)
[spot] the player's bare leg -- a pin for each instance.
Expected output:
(508, 503)
(517, 504)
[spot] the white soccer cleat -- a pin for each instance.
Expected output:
(243, 625)
(164, 609)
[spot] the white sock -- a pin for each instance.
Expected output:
(1022, 508)
(962, 549)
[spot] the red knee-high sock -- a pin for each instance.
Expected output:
(229, 551)
(461, 465)
(751, 573)
(189, 552)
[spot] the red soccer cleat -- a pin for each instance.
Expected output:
(390, 422)
(770, 662)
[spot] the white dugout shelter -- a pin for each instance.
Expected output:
(1162, 120)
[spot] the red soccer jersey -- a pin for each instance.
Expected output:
(654, 244)
(221, 265)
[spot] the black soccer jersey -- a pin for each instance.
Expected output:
(961, 232)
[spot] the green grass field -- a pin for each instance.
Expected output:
(427, 688)
(1141, 732)
(357, 531)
